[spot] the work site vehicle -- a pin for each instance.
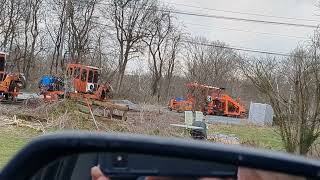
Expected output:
(79, 81)
(180, 104)
(85, 81)
(51, 87)
(10, 83)
(208, 99)
(224, 105)
(82, 84)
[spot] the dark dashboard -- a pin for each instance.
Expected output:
(72, 155)
(77, 167)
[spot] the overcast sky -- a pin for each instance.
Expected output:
(218, 29)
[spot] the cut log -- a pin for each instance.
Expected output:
(109, 114)
(105, 104)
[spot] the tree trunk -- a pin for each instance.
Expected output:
(168, 88)
(155, 86)
(119, 81)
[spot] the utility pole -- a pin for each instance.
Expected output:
(61, 56)
(100, 53)
(64, 31)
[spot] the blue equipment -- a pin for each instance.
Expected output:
(51, 83)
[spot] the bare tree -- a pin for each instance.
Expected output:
(59, 11)
(19, 31)
(31, 20)
(158, 44)
(209, 62)
(81, 25)
(104, 56)
(130, 19)
(71, 32)
(292, 87)
(11, 15)
(175, 41)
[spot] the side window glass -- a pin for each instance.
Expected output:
(76, 73)
(70, 72)
(96, 77)
(90, 78)
(84, 75)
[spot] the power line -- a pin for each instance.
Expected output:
(234, 48)
(224, 47)
(226, 17)
(247, 31)
(240, 49)
(254, 14)
(231, 29)
(243, 19)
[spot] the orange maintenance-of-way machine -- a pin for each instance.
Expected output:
(211, 101)
(82, 84)
(81, 81)
(10, 83)
(86, 82)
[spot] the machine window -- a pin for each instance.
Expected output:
(96, 77)
(90, 77)
(70, 72)
(84, 75)
(76, 73)
(2, 63)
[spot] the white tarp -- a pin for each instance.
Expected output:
(261, 114)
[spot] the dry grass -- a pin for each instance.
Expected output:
(65, 115)
(16, 131)
(151, 120)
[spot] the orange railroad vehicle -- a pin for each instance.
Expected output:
(10, 83)
(212, 101)
(85, 81)
(224, 105)
(81, 81)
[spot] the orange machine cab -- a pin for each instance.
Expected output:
(85, 77)
(85, 81)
